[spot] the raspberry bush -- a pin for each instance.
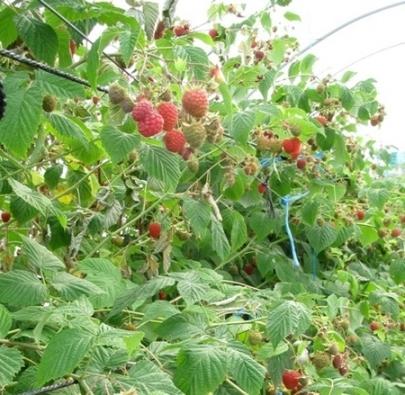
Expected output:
(213, 225)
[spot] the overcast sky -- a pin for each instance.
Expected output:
(358, 40)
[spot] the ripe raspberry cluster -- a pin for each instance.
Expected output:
(153, 120)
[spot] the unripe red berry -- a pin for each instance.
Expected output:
(259, 55)
(396, 232)
(360, 214)
(249, 268)
(154, 230)
(322, 120)
(374, 326)
(5, 216)
(213, 33)
(301, 163)
(262, 187)
(338, 361)
(162, 295)
(343, 370)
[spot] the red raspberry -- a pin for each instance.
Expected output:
(170, 115)
(374, 326)
(249, 268)
(292, 146)
(343, 370)
(195, 102)
(301, 163)
(174, 141)
(186, 152)
(5, 216)
(322, 120)
(213, 33)
(162, 295)
(338, 361)
(291, 379)
(151, 125)
(396, 232)
(259, 55)
(262, 187)
(141, 110)
(181, 30)
(360, 214)
(154, 230)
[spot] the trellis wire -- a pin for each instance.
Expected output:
(341, 27)
(33, 63)
(50, 388)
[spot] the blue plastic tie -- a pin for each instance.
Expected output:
(286, 201)
(319, 155)
(267, 162)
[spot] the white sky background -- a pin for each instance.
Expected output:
(358, 40)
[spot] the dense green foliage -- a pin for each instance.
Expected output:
(213, 303)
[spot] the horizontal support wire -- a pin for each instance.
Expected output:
(38, 65)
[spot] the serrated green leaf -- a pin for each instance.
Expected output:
(133, 342)
(374, 350)
(118, 144)
(248, 373)
(184, 325)
(378, 197)
(53, 174)
(39, 37)
(278, 364)
(191, 288)
(368, 234)
(8, 30)
(198, 214)
(94, 55)
(39, 256)
(63, 354)
(21, 288)
(106, 276)
(11, 361)
(219, 241)
(22, 117)
(36, 200)
(147, 379)
(129, 40)
(72, 287)
(197, 61)
(57, 86)
(309, 212)
(67, 130)
(321, 237)
(239, 231)
(151, 15)
(266, 83)
(5, 321)
(240, 125)
(162, 165)
(139, 294)
(397, 271)
(380, 386)
(200, 369)
(21, 210)
(288, 318)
